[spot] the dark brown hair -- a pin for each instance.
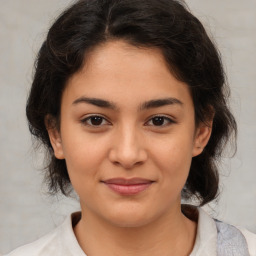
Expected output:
(165, 24)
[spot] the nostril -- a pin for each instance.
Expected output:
(127, 155)
(128, 164)
(116, 163)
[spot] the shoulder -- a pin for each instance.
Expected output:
(218, 238)
(250, 239)
(40, 247)
(233, 239)
(59, 242)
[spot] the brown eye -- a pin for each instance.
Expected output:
(160, 121)
(95, 121)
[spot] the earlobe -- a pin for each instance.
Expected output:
(55, 138)
(202, 136)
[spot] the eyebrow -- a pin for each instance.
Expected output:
(156, 103)
(160, 103)
(96, 102)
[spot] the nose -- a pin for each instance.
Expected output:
(127, 149)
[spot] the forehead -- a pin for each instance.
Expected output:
(120, 51)
(118, 69)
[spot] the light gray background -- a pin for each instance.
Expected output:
(26, 211)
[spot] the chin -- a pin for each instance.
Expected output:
(130, 218)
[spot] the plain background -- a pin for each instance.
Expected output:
(26, 211)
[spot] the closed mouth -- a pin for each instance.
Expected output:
(124, 181)
(128, 186)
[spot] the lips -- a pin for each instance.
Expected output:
(123, 181)
(128, 186)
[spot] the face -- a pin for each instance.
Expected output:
(128, 135)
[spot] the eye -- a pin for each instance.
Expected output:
(160, 121)
(95, 121)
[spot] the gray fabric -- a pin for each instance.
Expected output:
(230, 241)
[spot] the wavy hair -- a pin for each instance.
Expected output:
(164, 24)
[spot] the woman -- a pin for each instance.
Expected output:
(129, 98)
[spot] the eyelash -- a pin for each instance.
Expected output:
(89, 118)
(85, 120)
(168, 119)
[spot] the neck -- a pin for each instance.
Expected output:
(172, 234)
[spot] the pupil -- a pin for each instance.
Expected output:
(96, 120)
(158, 121)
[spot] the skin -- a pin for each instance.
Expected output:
(126, 142)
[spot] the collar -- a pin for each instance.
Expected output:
(206, 238)
(205, 244)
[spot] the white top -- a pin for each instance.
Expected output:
(62, 240)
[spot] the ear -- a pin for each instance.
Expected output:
(202, 136)
(54, 136)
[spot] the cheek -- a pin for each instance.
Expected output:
(84, 158)
(173, 157)
(82, 165)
